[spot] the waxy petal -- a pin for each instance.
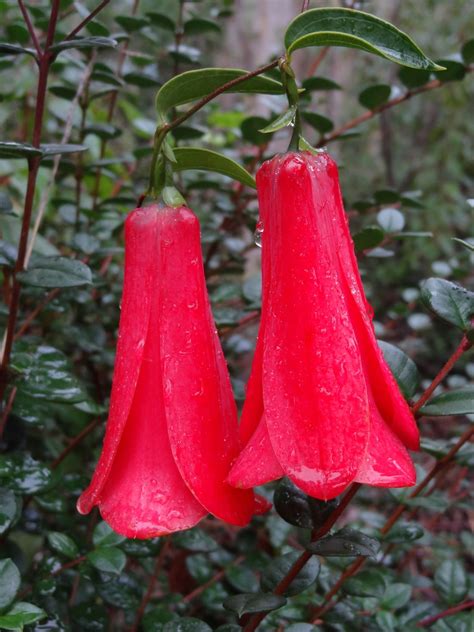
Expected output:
(140, 268)
(314, 390)
(200, 408)
(257, 463)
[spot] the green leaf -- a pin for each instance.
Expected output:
(450, 302)
(403, 368)
(456, 402)
(108, 559)
(14, 49)
(466, 244)
(450, 581)
(105, 131)
(320, 83)
(9, 509)
(413, 78)
(386, 196)
(55, 272)
(375, 96)
(104, 536)
(52, 149)
(279, 567)
(299, 509)
(9, 582)
(249, 603)
(195, 540)
(196, 26)
(355, 29)
(241, 578)
(346, 542)
(141, 79)
(207, 160)
(281, 121)
(63, 544)
(250, 129)
(455, 70)
(368, 583)
(401, 533)
(467, 52)
(18, 150)
(22, 474)
(186, 624)
(391, 220)
(321, 123)
(130, 23)
(21, 614)
(368, 238)
(195, 84)
(84, 42)
(161, 20)
(396, 596)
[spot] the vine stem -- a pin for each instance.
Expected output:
(304, 558)
(466, 605)
(44, 63)
(464, 345)
(360, 561)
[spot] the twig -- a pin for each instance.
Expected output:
(86, 20)
(466, 605)
(217, 577)
(285, 583)
(33, 314)
(360, 561)
(151, 585)
(75, 442)
(464, 345)
(30, 27)
(7, 410)
(318, 60)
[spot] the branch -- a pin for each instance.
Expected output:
(75, 442)
(285, 583)
(462, 348)
(30, 27)
(86, 20)
(466, 605)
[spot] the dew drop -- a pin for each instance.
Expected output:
(257, 236)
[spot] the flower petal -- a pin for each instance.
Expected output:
(199, 403)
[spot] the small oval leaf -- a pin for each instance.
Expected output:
(403, 368)
(456, 402)
(56, 272)
(375, 96)
(449, 301)
(279, 568)
(280, 122)
(249, 603)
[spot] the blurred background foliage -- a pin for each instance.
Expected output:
(407, 179)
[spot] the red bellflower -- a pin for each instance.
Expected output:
(322, 406)
(172, 430)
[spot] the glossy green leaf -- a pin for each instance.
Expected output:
(207, 160)
(367, 238)
(196, 26)
(104, 536)
(9, 582)
(355, 29)
(466, 244)
(413, 78)
(320, 83)
(21, 614)
(63, 544)
(386, 196)
(108, 559)
(467, 52)
(346, 542)
(9, 507)
(105, 131)
(299, 509)
(396, 596)
(14, 49)
(195, 540)
(241, 578)
(195, 84)
(161, 20)
(84, 43)
(450, 581)
(131, 23)
(367, 583)
(52, 149)
(455, 70)
(186, 624)
(279, 567)
(22, 474)
(141, 79)
(401, 533)
(321, 123)
(403, 368)
(18, 150)
(281, 121)
(456, 402)
(51, 272)
(375, 96)
(251, 127)
(250, 603)
(449, 301)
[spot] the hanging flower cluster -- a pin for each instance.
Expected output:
(322, 406)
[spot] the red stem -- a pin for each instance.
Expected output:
(86, 20)
(30, 28)
(74, 443)
(467, 605)
(462, 348)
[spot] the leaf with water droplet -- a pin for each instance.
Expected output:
(346, 542)
(449, 301)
